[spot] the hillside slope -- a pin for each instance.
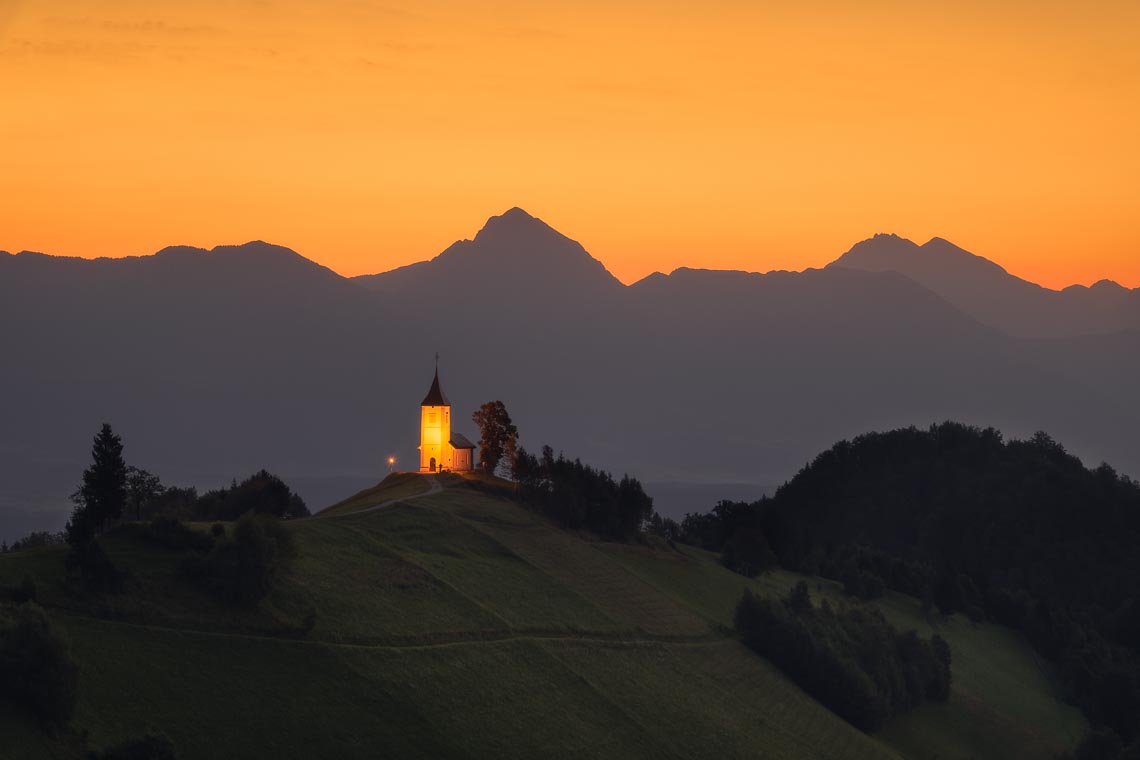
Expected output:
(456, 624)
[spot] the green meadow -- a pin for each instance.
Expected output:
(459, 624)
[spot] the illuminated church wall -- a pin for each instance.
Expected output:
(435, 432)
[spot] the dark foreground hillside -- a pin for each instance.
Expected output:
(457, 624)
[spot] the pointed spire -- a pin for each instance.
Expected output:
(435, 396)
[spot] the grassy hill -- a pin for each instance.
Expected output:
(458, 624)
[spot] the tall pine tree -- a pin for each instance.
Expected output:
(103, 493)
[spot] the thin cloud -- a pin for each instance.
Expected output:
(144, 27)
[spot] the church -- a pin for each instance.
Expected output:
(441, 449)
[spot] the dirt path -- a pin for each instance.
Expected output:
(473, 638)
(434, 486)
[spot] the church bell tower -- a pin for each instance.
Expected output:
(435, 428)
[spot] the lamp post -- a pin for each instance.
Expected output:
(391, 463)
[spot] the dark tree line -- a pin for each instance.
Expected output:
(851, 659)
(112, 490)
(1017, 532)
(261, 493)
(582, 497)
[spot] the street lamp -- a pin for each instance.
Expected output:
(391, 463)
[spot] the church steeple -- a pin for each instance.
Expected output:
(435, 396)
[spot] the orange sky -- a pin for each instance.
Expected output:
(725, 134)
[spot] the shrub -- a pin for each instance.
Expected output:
(169, 533)
(148, 747)
(24, 592)
(748, 553)
(90, 564)
(36, 669)
(173, 534)
(242, 569)
(863, 584)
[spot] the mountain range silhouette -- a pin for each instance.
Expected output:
(216, 363)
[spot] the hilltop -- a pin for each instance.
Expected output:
(455, 623)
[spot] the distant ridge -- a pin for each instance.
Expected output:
(992, 295)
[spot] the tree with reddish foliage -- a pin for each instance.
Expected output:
(498, 436)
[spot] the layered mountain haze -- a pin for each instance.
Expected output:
(213, 364)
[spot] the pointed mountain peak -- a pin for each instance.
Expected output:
(516, 227)
(514, 213)
(513, 252)
(883, 251)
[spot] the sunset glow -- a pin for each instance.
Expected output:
(727, 134)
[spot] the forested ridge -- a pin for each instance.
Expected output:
(1017, 532)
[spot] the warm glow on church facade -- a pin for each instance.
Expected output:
(440, 448)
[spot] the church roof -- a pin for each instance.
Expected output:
(435, 396)
(459, 441)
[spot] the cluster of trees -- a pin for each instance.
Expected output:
(850, 659)
(240, 568)
(582, 497)
(1017, 532)
(732, 528)
(262, 493)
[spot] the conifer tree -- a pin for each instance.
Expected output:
(104, 489)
